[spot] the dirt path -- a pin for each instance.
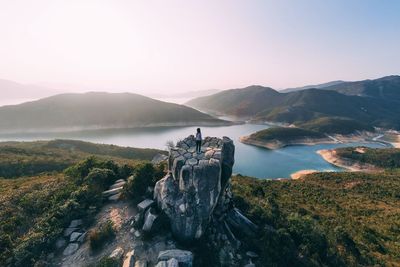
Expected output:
(119, 213)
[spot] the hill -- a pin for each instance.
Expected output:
(98, 110)
(325, 219)
(32, 158)
(315, 86)
(387, 88)
(265, 104)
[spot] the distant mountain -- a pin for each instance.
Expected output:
(187, 95)
(13, 90)
(316, 86)
(98, 111)
(385, 88)
(265, 104)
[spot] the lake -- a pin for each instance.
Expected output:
(249, 160)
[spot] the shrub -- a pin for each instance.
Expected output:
(99, 236)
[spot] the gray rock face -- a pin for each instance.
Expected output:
(117, 253)
(70, 249)
(191, 190)
(129, 260)
(74, 236)
(183, 257)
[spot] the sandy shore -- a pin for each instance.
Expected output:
(330, 156)
(300, 174)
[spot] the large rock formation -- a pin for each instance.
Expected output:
(194, 185)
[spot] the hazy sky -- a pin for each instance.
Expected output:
(161, 46)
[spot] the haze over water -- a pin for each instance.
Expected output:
(249, 160)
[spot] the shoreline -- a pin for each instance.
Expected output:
(330, 156)
(300, 174)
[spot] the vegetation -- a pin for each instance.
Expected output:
(381, 157)
(336, 126)
(31, 158)
(99, 236)
(36, 206)
(284, 134)
(96, 110)
(265, 104)
(145, 175)
(327, 219)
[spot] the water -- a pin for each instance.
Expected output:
(250, 160)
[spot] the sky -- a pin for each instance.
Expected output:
(163, 47)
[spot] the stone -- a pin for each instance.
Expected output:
(137, 234)
(74, 236)
(82, 238)
(184, 257)
(251, 254)
(141, 263)
(68, 231)
(172, 263)
(149, 220)
(112, 191)
(145, 204)
(250, 265)
(116, 185)
(203, 181)
(158, 158)
(119, 181)
(70, 249)
(139, 218)
(129, 260)
(240, 223)
(115, 197)
(162, 264)
(60, 243)
(117, 254)
(75, 223)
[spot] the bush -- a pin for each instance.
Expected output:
(99, 236)
(145, 175)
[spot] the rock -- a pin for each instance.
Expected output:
(112, 191)
(129, 260)
(117, 254)
(184, 257)
(149, 220)
(141, 263)
(162, 264)
(119, 181)
(158, 158)
(173, 263)
(82, 238)
(115, 197)
(189, 196)
(70, 249)
(116, 185)
(250, 265)
(137, 234)
(60, 243)
(145, 204)
(139, 218)
(251, 254)
(240, 223)
(74, 236)
(69, 231)
(75, 223)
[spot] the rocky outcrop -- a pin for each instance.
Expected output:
(191, 190)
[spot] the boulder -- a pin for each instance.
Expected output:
(141, 263)
(115, 197)
(158, 158)
(116, 185)
(74, 236)
(240, 223)
(68, 231)
(149, 219)
(172, 263)
(70, 249)
(162, 264)
(129, 260)
(112, 191)
(184, 257)
(75, 223)
(117, 254)
(82, 238)
(191, 189)
(145, 204)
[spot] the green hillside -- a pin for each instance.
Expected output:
(265, 104)
(336, 126)
(325, 219)
(284, 134)
(97, 110)
(32, 158)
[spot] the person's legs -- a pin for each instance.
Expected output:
(198, 146)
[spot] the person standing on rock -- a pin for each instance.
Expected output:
(198, 140)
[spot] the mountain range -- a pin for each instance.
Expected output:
(374, 102)
(98, 111)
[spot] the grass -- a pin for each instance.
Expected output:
(284, 134)
(101, 235)
(381, 157)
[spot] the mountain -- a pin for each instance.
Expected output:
(316, 86)
(98, 110)
(265, 104)
(13, 90)
(385, 88)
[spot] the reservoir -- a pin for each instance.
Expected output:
(249, 160)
